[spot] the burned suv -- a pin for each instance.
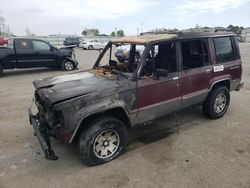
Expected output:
(97, 107)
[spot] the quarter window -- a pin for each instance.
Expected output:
(224, 49)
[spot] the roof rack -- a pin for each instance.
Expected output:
(155, 33)
(211, 30)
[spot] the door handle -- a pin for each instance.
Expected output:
(176, 78)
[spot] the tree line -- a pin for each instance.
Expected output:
(96, 32)
(233, 28)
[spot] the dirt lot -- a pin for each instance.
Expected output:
(203, 153)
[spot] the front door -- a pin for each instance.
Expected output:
(159, 95)
(45, 56)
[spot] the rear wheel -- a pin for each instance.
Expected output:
(90, 47)
(217, 102)
(67, 65)
(103, 141)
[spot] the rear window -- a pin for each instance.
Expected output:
(23, 44)
(224, 49)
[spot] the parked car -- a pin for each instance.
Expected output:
(72, 41)
(122, 52)
(93, 44)
(28, 53)
(98, 107)
(3, 41)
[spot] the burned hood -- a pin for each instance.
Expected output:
(55, 89)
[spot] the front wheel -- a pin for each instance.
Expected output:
(217, 102)
(67, 65)
(103, 140)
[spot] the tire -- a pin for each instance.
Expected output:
(67, 65)
(1, 70)
(90, 47)
(94, 143)
(217, 102)
(121, 60)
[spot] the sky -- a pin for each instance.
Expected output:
(44, 17)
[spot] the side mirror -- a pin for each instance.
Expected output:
(51, 48)
(160, 73)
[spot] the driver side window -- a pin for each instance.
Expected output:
(39, 45)
(166, 57)
(160, 57)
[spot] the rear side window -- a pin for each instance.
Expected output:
(224, 49)
(24, 44)
(194, 53)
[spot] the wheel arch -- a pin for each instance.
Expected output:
(117, 112)
(222, 82)
(69, 59)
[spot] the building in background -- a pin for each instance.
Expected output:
(245, 34)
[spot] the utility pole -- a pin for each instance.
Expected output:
(142, 23)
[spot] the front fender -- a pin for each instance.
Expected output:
(95, 109)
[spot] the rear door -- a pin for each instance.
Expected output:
(196, 71)
(25, 53)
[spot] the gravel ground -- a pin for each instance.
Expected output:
(201, 153)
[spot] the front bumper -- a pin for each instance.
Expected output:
(43, 137)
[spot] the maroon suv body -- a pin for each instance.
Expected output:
(97, 107)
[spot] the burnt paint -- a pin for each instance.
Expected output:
(89, 94)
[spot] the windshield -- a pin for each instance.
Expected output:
(120, 59)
